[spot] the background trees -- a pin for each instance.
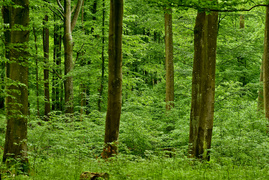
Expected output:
(146, 128)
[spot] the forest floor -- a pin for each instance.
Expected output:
(64, 148)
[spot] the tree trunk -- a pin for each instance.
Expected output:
(260, 104)
(203, 85)
(266, 65)
(36, 75)
(169, 60)
(57, 85)
(68, 56)
(114, 79)
(46, 67)
(15, 149)
(103, 60)
(69, 25)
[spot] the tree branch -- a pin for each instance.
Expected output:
(238, 10)
(75, 17)
(59, 15)
(220, 10)
(60, 5)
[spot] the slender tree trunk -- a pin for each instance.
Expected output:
(15, 149)
(68, 55)
(83, 87)
(69, 25)
(57, 85)
(36, 75)
(203, 85)
(266, 65)
(46, 67)
(103, 60)
(260, 105)
(114, 79)
(169, 60)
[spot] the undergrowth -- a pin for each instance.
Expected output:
(152, 143)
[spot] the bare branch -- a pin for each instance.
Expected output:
(224, 10)
(75, 17)
(59, 15)
(73, 9)
(238, 10)
(60, 5)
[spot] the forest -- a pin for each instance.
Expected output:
(134, 89)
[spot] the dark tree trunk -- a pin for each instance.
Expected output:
(36, 75)
(203, 85)
(103, 60)
(169, 60)
(57, 85)
(15, 149)
(114, 79)
(46, 67)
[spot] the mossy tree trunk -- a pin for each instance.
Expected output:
(15, 149)
(114, 78)
(203, 85)
(169, 59)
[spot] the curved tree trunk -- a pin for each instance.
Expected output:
(169, 60)
(114, 78)
(203, 85)
(15, 149)
(69, 25)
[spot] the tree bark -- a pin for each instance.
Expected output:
(203, 85)
(46, 67)
(36, 75)
(266, 65)
(69, 25)
(169, 60)
(57, 85)
(103, 60)
(15, 149)
(114, 79)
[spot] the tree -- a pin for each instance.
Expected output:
(46, 66)
(57, 91)
(169, 59)
(114, 78)
(266, 65)
(69, 25)
(15, 149)
(203, 84)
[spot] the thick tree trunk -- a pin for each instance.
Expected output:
(266, 65)
(203, 85)
(169, 60)
(46, 67)
(114, 79)
(15, 149)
